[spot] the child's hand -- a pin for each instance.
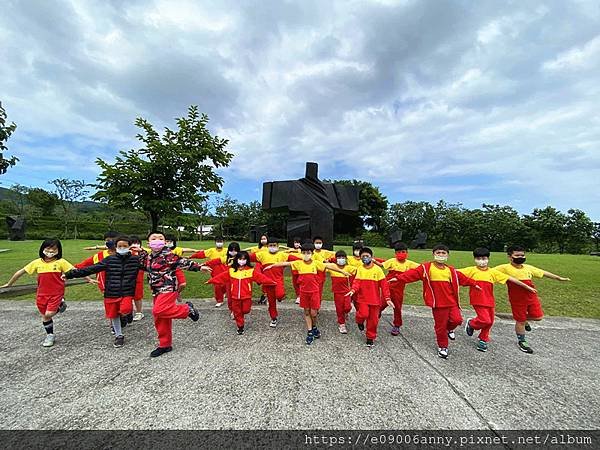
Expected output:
(478, 287)
(267, 268)
(63, 277)
(346, 274)
(92, 281)
(393, 280)
(534, 290)
(349, 294)
(564, 279)
(205, 269)
(390, 304)
(5, 285)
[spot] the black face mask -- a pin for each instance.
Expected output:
(519, 260)
(110, 245)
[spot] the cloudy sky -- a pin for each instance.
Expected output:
(467, 101)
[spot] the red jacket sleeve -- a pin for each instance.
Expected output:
(411, 275)
(85, 263)
(180, 277)
(223, 278)
(385, 288)
(198, 255)
(293, 258)
(260, 278)
(212, 263)
(253, 257)
(464, 280)
(355, 285)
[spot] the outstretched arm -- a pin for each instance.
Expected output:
(18, 274)
(86, 271)
(555, 277)
(335, 268)
(523, 285)
(279, 264)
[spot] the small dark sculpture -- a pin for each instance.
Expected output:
(420, 240)
(16, 228)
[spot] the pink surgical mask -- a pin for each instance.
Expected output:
(156, 245)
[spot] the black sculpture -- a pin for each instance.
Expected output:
(312, 204)
(16, 228)
(420, 240)
(394, 237)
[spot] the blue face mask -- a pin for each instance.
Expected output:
(341, 261)
(110, 245)
(366, 259)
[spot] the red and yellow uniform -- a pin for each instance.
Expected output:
(440, 293)
(483, 300)
(340, 286)
(95, 259)
(215, 253)
(239, 284)
(323, 256)
(274, 293)
(297, 253)
(371, 289)
(396, 267)
(524, 304)
(50, 285)
(309, 281)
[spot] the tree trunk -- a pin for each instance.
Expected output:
(154, 219)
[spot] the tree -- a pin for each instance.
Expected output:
(18, 198)
(43, 200)
(5, 132)
(69, 192)
(411, 218)
(170, 174)
(550, 226)
(579, 229)
(372, 205)
(596, 235)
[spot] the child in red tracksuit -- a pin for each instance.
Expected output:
(296, 251)
(218, 252)
(238, 279)
(340, 286)
(371, 289)
(440, 292)
(161, 265)
(395, 266)
(482, 300)
(226, 260)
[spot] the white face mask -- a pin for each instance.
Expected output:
(440, 258)
(297, 245)
(263, 241)
(122, 251)
(49, 253)
(341, 261)
(483, 262)
(232, 253)
(242, 262)
(306, 257)
(273, 249)
(318, 246)
(356, 252)
(219, 244)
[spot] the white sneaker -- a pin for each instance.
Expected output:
(343, 328)
(297, 300)
(273, 323)
(138, 316)
(442, 352)
(218, 304)
(451, 335)
(49, 341)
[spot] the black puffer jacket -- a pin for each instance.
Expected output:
(121, 274)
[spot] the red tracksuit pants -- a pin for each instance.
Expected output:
(164, 310)
(240, 307)
(483, 321)
(343, 305)
(445, 320)
(296, 284)
(370, 313)
(274, 294)
(397, 300)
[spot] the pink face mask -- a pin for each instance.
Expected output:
(156, 245)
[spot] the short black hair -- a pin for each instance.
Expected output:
(135, 239)
(480, 252)
(440, 247)
(272, 240)
(357, 246)
(240, 255)
(307, 246)
(366, 250)
(317, 238)
(233, 246)
(218, 238)
(340, 254)
(110, 235)
(297, 239)
(155, 232)
(399, 246)
(514, 248)
(51, 243)
(123, 238)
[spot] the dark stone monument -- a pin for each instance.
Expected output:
(312, 204)
(394, 237)
(16, 228)
(256, 232)
(420, 240)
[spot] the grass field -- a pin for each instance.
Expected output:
(578, 298)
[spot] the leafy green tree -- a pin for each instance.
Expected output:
(372, 206)
(579, 229)
(45, 201)
(411, 218)
(5, 132)
(550, 226)
(69, 192)
(170, 174)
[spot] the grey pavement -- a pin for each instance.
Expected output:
(269, 379)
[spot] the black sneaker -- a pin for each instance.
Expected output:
(468, 329)
(123, 320)
(527, 326)
(524, 346)
(240, 330)
(119, 341)
(159, 351)
(193, 314)
(369, 342)
(361, 326)
(451, 335)
(63, 306)
(112, 330)
(262, 300)
(309, 338)
(316, 333)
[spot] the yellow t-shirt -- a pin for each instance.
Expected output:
(393, 264)
(526, 272)
(347, 268)
(437, 274)
(490, 275)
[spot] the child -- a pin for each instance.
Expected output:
(51, 287)
(340, 285)
(354, 260)
(218, 252)
(297, 251)
(121, 274)
(109, 238)
(310, 294)
(396, 266)
(320, 254)
(136, 248)
(225, 261)
(483, 301)
(267, 258)
(109, 243)
(171, 243)
(262, 245)
(371, 288)
(161, 265)
(525, 304)
(440, 292)
(238, 279)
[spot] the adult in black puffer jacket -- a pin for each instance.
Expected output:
(121, 271)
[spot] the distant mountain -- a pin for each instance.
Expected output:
(7, 194)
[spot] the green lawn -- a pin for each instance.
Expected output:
(578, 298)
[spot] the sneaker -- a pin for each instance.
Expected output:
(119, 341)
(262, 300)
(240, 330)
(482, 346)
(218, 304)
(343, 328)
(112, 330)
(524, 346)
(138, 316)
(468, 329)
(63, 306)
(309, 338)
(451, 335)
(527, 326)
(49, 341)
(297, 300)
(361, 326)
(369, 342)
(316, 333)
(443, 352)
(159, 351)
(395, 331)
(193, 314)
(273, 323)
